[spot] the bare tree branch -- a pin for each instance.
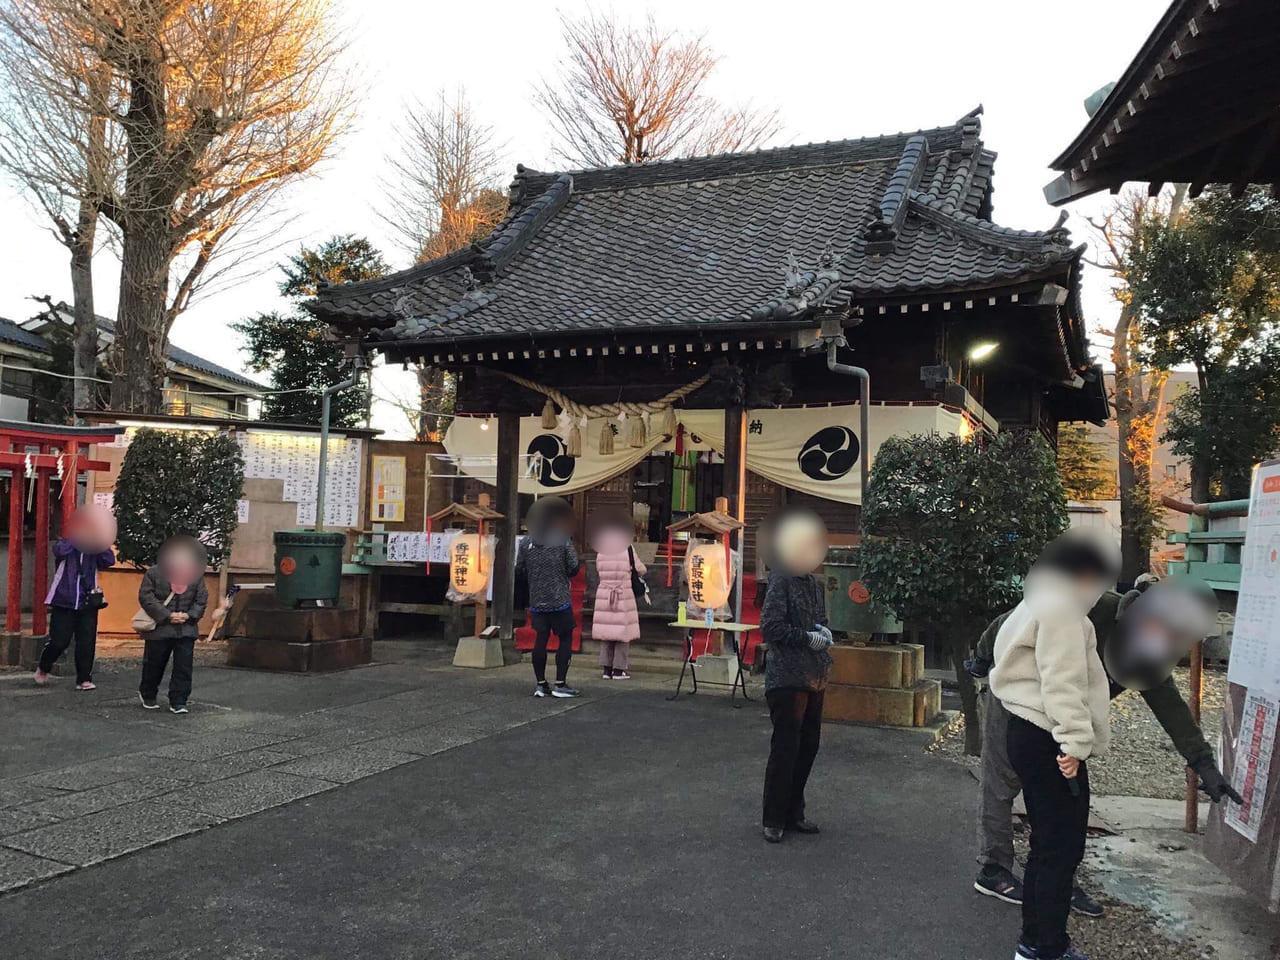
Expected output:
(631, 94)
(443, 190)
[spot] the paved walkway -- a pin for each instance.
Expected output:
(410, 810)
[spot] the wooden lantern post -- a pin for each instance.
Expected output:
(479, 514)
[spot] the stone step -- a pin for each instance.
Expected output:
(914, 706)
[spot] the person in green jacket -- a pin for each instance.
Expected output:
(1000, 785)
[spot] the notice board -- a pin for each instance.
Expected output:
(1244, 839)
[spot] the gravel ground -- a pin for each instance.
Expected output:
(1142, 761)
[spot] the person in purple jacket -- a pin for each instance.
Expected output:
(74, 598)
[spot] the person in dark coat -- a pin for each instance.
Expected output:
(794, 625)
(74, 597)
(548, 562)
(173, 594)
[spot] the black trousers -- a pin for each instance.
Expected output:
(156, 654)
(544, 624)
(797, 731)
(1059, 823)
(64, 626)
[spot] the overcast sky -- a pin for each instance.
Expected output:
(834, 70)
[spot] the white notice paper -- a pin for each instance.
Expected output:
(1252, 766)
(1255, 643)
(242, 511)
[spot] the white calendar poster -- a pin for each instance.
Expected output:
(294, 458)
(1252, 767)
(1255, 644)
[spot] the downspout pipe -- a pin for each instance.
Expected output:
(864, 405)
(326, 403)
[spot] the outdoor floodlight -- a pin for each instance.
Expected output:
(981, 350)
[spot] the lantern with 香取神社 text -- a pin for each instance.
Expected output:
(707, 573)
(470, 563)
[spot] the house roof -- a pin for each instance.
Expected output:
(723, 241)
(176, 355)
(11, 332)
(1199, 104)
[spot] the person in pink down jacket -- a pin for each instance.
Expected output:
(616, 620)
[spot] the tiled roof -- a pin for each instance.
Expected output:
(729, 239)
(13, 333)
(10, 332)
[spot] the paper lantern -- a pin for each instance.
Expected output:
(707, 573)
(470, 563)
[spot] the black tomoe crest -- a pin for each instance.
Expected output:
(556, 467)
(829, 454)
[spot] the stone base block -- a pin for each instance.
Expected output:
(913, 706)
(316, 656)
(479, 652)
(897, 665)
(22, 650)
(257, 613)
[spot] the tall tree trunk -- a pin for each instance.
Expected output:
(138, 365)
(1201, 465)
(1136, 402)
(85, 322)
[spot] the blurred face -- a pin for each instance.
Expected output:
(180, 564)
(799, 543)
(1156, 631)
(92, 528)
(610, 539)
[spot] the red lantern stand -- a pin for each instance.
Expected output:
(721, 524)
(479, 514)
(36, 454)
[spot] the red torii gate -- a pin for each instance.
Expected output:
(40, 452)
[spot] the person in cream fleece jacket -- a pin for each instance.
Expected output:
(1049, 677)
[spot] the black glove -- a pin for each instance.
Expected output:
(1213, 783)
(977, 667)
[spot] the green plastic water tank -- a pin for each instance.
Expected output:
(850, 606)
(308, 566)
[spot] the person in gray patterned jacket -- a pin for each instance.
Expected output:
(793, 622)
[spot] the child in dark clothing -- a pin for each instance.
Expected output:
(74, 598)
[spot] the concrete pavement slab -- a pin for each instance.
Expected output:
(218, 745)
(84, 802)
(18, 819)
(110, 833)
(96, 773)
(221, 768)
(246, 794)
(348, 764)
(18, 869)
(335, 738)
(16, 792)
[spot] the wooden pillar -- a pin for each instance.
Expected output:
(13, 608)
(39, 613)
(67, 495)
(507, 482)
(735, 487)
(1191, 810)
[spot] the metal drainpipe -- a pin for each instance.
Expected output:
(864, 441)
(325, 402)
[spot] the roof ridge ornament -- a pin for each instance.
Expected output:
(881, 234)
